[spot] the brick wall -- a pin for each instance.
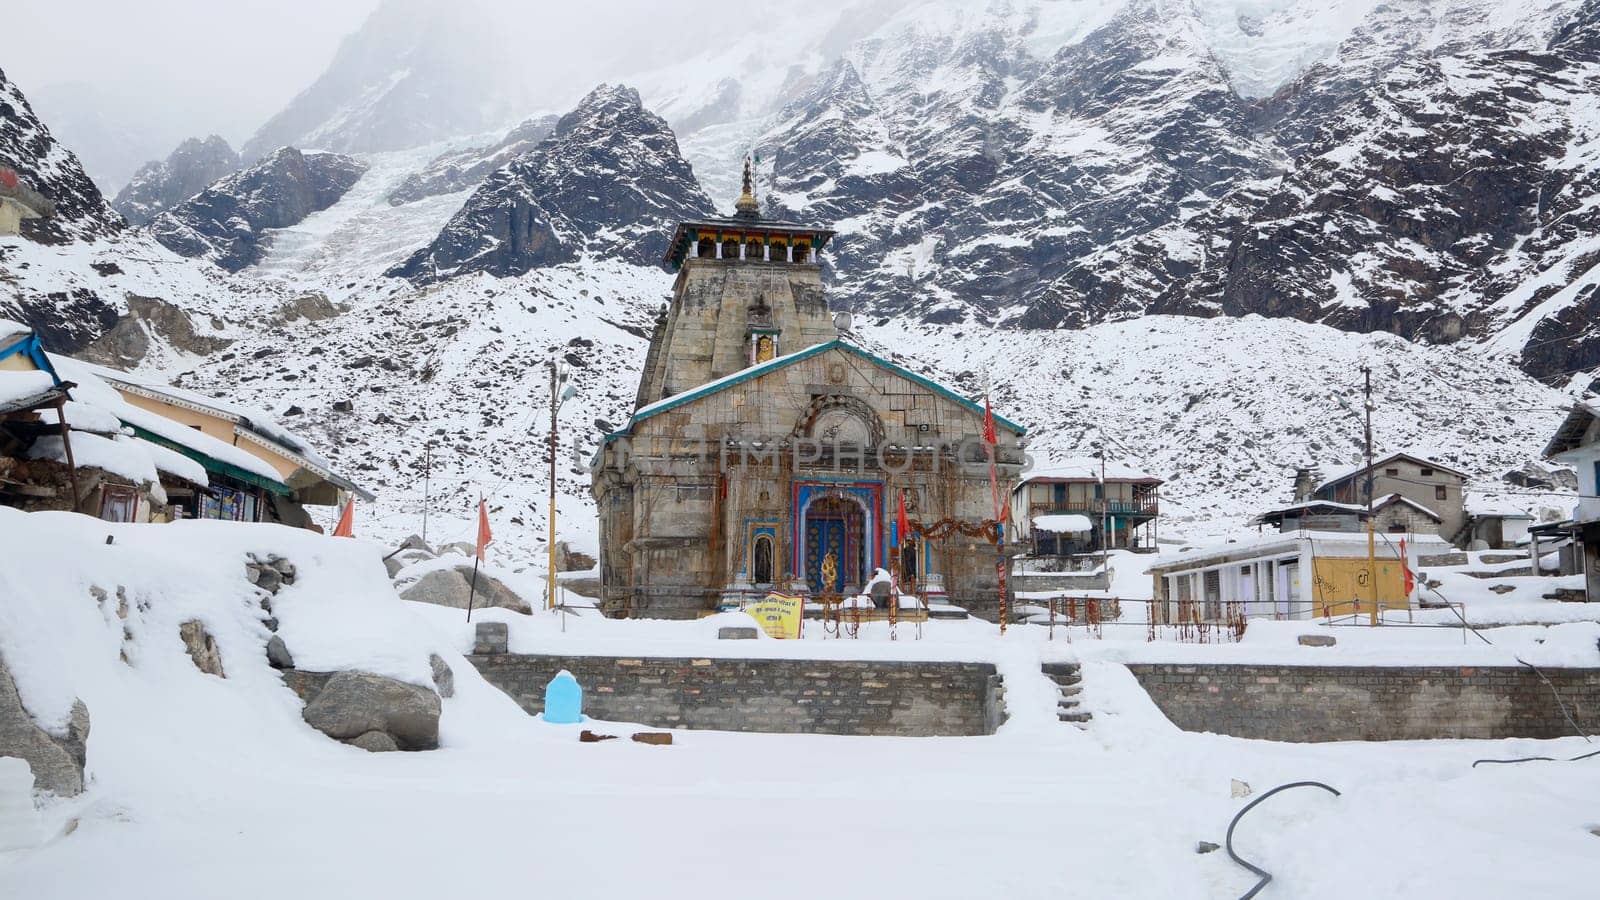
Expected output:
(856, 697)
(1338, 703)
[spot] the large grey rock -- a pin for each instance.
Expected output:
(278, 655)
(202, 647)
(449, 587)
(444, 680)
(374, 742)
(267, 578)
(57, 762)
(354, 703)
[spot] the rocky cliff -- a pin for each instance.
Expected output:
(42, 164)
(608, 182)
(227, 222)
(160, 185)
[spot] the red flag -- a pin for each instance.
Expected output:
(988, 422)
(902, 527)
(1405, 566)
(485, 538)
(347, 521)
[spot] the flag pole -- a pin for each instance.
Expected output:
(472, 585)
(992, 438)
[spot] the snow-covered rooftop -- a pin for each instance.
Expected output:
(1063, 523)
(1273, 543)
(1403, 499)
(251, 417)
(1344, 472)
(10, 328)
(94, 392)
(18, 388)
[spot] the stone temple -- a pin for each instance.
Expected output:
(767, 452)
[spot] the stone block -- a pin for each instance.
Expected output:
(737, 633)
(490, 638)
(1316, 640)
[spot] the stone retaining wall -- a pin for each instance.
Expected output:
(1340, 703)
(852, 697)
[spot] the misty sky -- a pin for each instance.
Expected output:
(123, 81)
(225, 64)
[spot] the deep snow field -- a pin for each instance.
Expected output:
(206, 787)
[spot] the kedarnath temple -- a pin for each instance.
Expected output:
(766, 452)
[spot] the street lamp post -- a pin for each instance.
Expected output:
(560, 392)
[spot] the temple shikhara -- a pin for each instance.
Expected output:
(767, 452)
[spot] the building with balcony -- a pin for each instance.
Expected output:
(1074, 506)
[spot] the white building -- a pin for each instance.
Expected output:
(1300, 575)
(1577, 444)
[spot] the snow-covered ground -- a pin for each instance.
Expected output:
(203, 787)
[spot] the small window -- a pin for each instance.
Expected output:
(1426, 471)
(1391, 472)
(1439, 492)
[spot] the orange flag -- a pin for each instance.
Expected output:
(347, 521)
(485, 538)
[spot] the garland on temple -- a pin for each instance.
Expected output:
(987, 529)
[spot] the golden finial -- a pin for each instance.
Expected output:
(748, 207)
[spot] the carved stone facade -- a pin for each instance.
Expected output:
(766, 454)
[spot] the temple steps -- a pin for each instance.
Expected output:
(1069, 684)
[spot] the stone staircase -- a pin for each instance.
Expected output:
(1069, 681)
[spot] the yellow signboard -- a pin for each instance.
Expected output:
(778, 615)
(1340, 582)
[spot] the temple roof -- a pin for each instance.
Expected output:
(771, 365)
(687, 229)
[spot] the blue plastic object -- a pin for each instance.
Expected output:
(563, 700)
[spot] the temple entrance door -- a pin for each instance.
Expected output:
(835, 548)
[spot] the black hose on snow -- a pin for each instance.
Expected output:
(1263, 874)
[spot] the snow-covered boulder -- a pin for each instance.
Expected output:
(56, 760)
(354, 704)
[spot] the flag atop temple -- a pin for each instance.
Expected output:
(766, 452)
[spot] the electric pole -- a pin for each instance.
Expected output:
(427, 478)
(1372, 540)
(1105, 520)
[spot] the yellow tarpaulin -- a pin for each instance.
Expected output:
(778, 615)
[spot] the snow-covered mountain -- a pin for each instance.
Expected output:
(160, 185)
(608, 182)
(458, 170)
